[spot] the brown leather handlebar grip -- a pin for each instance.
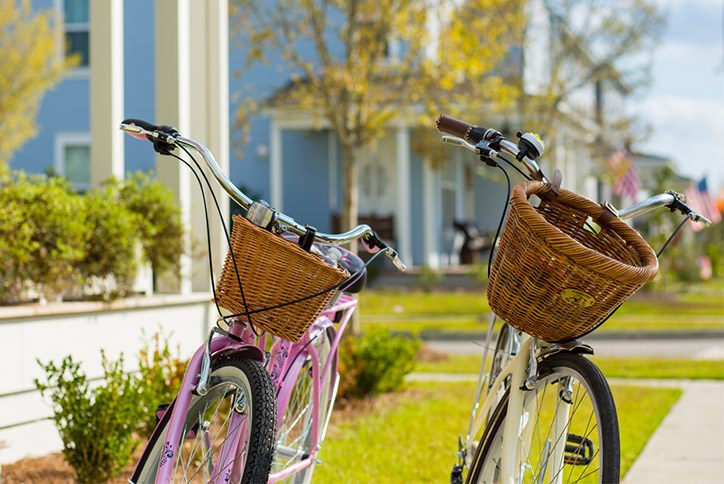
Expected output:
(453, 126)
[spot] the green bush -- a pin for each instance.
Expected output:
(478, 274)
(111, 242)
(56, 242)
(51, 226)
(161, 228)
(375, 363)
(160, 376)
(15, 239)
(97, 424)
(429, 278)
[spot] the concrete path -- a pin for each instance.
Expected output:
(688, 447)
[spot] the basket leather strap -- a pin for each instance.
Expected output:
(604, 219)
(306, 240)
(554, 188)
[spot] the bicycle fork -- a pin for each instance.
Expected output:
(518, 430)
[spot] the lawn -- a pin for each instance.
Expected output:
(412, 436)
(611, 367)
(701, 309)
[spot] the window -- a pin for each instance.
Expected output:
(77, 26)
(72, 159)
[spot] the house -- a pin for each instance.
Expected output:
(291, 160)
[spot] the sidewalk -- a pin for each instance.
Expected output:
(688, 446)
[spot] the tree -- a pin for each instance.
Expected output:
(362, 65)
(28, 66)
(581, 50)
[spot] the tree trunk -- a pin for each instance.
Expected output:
(350, 188)
(350, 206)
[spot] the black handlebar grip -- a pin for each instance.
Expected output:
(141, 124)
(461, 129)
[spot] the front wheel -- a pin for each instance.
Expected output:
(228, 433)
(568, 429)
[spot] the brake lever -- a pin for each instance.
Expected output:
(679, 204)
(392, 254)
(373, 245)
(454, 140)
(695, 217)
(483, 148)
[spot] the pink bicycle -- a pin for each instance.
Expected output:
(256, 398)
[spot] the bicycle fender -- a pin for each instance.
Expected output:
(247, 351)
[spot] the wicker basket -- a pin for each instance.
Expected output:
(285, 287)
(557, 275)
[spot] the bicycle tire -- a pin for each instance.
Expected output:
(592, 451)
(230, 374)
(294, 436)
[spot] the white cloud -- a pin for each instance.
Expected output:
(685, 104)
(690, 132)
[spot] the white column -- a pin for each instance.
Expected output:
(172, 28)
(275, 167)
(106, 90)
(209, 123)
(429, 215)
(402, 214)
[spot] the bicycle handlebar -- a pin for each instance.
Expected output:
(166, 138)
(489, 143)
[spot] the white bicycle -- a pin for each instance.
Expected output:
(543, 412)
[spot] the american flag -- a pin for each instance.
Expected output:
(699, 200)
(626, 176)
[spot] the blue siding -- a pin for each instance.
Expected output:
(489, 200)
(306, 180)
(64, 109)
(139, 77)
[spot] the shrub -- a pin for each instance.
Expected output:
(53, 240)
(111, 242)
(96, 425)
(478, 274)
(50, 221)
(429, 278)
(15, 239)
(161, 228)
(160, 376)
(375, 363)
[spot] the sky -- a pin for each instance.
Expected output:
(684, 105)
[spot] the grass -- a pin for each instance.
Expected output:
(461, 311)
(412, 436)
(611, 367)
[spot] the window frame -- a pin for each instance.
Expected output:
(82, 71)
(62, 141)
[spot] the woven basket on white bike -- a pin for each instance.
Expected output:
(562, 267)
(285, 287)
